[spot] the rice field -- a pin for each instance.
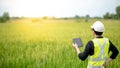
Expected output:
(37, 43)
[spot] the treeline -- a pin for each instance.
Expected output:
(5, 17)
(113, 16)
(107, 15)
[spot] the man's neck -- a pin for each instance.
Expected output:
(98, 36)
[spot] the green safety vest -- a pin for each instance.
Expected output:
(101, 48)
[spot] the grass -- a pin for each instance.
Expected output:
(30, 43)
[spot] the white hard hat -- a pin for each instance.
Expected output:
(98, 26)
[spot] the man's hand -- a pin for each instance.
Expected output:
(107, 62)
(76, 48)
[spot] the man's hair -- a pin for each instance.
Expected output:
(97, 33)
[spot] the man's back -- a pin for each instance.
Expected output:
(101, 48)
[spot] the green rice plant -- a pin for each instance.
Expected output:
(48, 43)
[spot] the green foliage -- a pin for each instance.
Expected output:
(107, 15)
(24, 44)
(5, 17)
(113, 16)
(87, 18)
(77, 16)
(118, 11)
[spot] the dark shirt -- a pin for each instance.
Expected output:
(89, 50)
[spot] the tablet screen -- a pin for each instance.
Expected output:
(78, 41)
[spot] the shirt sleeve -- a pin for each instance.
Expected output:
(89, 50)
(114, 50)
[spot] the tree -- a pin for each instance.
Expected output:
(77, 17)
(107, 16)
(5, 17)
(86, 18)
(118, 11)
(113, 16)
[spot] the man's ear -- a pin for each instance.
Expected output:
(93, 32)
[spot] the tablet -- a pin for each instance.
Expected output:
(78, 41)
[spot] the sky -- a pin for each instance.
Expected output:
(58, 8)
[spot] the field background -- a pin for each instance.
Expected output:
(37, 43)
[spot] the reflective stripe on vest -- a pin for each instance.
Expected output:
(90, 66)
(101, 54)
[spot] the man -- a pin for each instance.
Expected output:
(98, 48)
